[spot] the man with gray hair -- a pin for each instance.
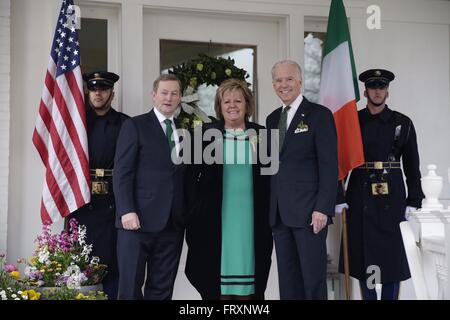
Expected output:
(303, 192)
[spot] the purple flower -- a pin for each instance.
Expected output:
(9, 268)
(73, 230)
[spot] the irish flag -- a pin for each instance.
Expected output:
(339, 89)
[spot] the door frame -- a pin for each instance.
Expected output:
(152, 67)
(111, 13)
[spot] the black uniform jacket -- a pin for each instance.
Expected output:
(99, 215)
(374, 236)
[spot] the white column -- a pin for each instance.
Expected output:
(5, 70)
(132, 58)
(32, 28)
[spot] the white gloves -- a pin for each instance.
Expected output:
(408, 211)
(340, 207)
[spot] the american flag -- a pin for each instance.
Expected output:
(60, 134)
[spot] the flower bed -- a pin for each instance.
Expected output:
(58, 270)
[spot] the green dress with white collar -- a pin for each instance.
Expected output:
(238, 254)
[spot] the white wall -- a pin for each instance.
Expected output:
(5, 13)
(413, 42)
(418, 54)
(32, 27)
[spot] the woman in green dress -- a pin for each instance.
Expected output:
(228, 233)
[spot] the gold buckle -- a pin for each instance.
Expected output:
(380, 189)
(100, 172)
(378, 165)
(100, 187)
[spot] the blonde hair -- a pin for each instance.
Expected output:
(234, 84)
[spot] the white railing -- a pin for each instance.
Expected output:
(426, 237)
(431, 232)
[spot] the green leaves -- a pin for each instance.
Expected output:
(204, 70)
(209, 70)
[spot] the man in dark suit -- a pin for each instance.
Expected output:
(149, 197)
(303, 192)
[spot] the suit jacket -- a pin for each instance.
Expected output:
(146, 181)
(204, 223)
(308, 171)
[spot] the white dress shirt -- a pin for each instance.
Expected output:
(291, 112)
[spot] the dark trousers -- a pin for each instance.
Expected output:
(111, 286)
(302, 262)
(158, 253)
(389, 291)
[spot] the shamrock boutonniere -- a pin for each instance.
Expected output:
(302, 127)
(254, 140)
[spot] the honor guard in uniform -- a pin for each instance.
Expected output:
(103, 126)
(376, 196)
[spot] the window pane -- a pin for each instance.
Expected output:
(93, 37)
(313, 62)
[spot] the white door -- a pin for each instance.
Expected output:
(262, 32)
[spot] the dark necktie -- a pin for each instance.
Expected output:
(282, 125)
(169, 132)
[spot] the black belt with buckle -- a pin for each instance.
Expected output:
(379, 165)
(101, 173)
(100, 181)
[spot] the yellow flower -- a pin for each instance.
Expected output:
(213, 75)
(15, 275)
(32, 295)
(193, 82)
(228, 72)
(199, 66)
(80, 296)
(33, 260)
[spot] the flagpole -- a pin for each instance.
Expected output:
(345, 250)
